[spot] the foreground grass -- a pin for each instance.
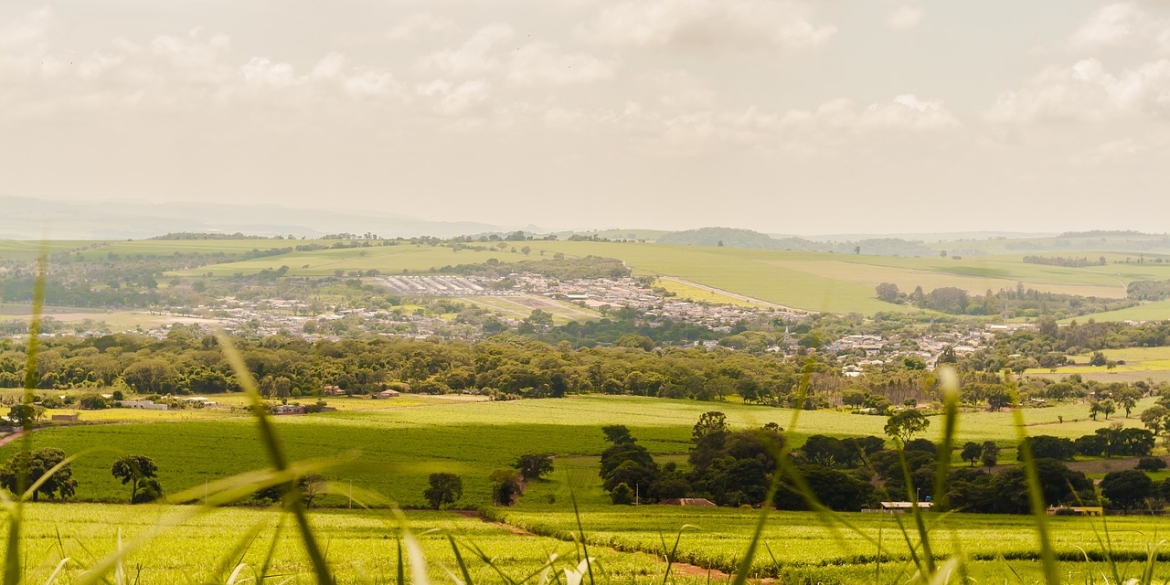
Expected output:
(361, 545)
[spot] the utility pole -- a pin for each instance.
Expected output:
(350, 506)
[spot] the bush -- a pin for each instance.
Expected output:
(622, 495)
(93, 402)
(1151, 463)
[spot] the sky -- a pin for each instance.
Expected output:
(783, 116)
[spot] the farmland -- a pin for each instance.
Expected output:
(393, 448)
(805, 280)
(362, 545)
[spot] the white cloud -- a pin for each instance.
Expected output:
(543, 63)
(30, 29)
(262, 72)
(707, 24)
(450, 99)
(1110, 25)
(905, 17)
(1113, 151)
(904, 112)
(419, 25)
(1086, 91)
(1122, 23)
(472, 57)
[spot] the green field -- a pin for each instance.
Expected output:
(392, 447)
(362, 546)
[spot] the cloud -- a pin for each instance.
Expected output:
(905, 17)
(1119, 24)
(905, 112)
(1086, 91)
(30, 29)
(472, 57)
(707, 24)
(450, 99)
(419, 25)
(542, 63)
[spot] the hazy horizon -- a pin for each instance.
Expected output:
(780, 116)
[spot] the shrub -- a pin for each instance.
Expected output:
(622, 494)
(1151, 463)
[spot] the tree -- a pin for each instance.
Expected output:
(853, 397)
(622, 494)
(24, 414)
(1098, 359)
(971, 452)
(989, 455)
(1127, 489)
(1049, 447)
(1156, 418)
(135, 470)
(1094, 409)
(617, 434)
(505, 486)
(37, 464)
(1128, 398)
(888, 292)
(534, 466)
(906, 424)
(309, 486)
(151, 376)
(709, 423)
(445, 489)
(1108, 407)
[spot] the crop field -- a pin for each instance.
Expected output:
(521, 306)
(30, 249)
(392, 449)
(362, 545)
(1141, 363)
(846, 547)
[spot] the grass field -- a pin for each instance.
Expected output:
(1141, 363)
(521, 306)
(391, 447)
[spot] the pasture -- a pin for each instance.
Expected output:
(391, 447)
(1140, 363)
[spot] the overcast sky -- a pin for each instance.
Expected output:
(782, 116)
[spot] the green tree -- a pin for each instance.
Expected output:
(971, 452)
(24, 414)
(709, 423)
(151, 376)
(37, 464)
(618, 434)
(622, 494)
(1127, 489)
(135, 470)
(906, 424)
(505, 486)
(989, 455)
(1128, 398)
(444, 489)
(535, 466)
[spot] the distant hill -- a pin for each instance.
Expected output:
(31, 218)
(741, 238)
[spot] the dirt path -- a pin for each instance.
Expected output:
(10, 438)
(676, 568)
(736, 296)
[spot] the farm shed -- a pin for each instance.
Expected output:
(699, 502)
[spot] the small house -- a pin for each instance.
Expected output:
(1076, 511)
(288, 409)
(331, 390)
(387, 393)
(65, 417)
(902, 507)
